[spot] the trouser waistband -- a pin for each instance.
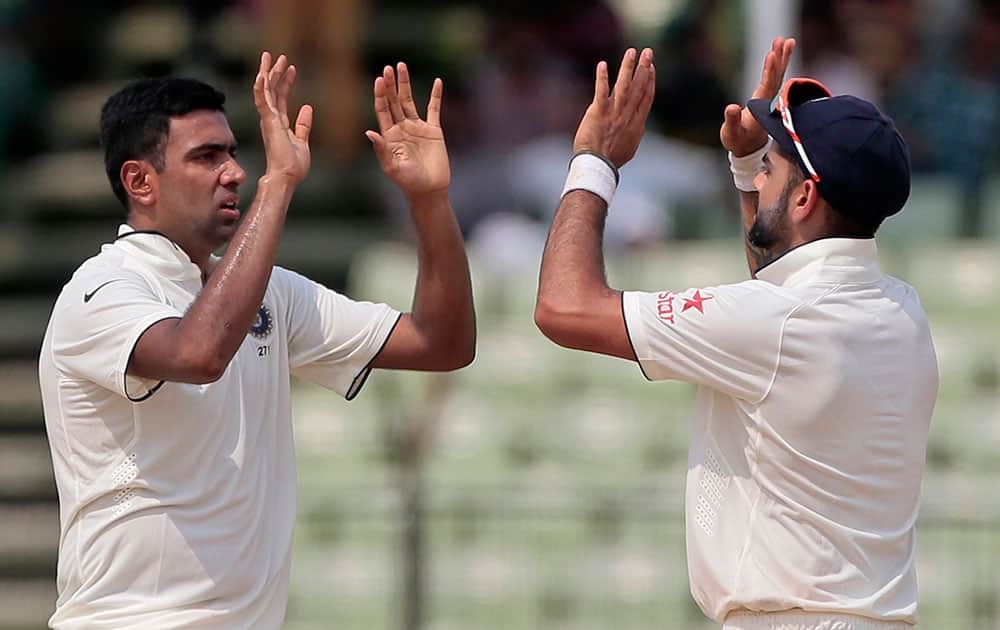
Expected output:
(798, 620)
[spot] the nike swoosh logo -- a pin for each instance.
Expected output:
(87, 296)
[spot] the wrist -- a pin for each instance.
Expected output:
(594, 173)
(745, 167)
(277, 182)
(428, 199)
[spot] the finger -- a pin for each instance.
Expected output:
(391, 94)
(730, 124)
(770, 77)
(258, 84)
(277, 72)
(304, 123)
(405, 92)
(601, 88)
(625, 75)
(258, 92)
(731, 115)
(786, 54)
(273, 79)
(648, 92)
(382, 114)
(434, 104)
(376, 139)
(648, 83)
(636, 89)
(284, 87)
(265, 63)
(379, 145)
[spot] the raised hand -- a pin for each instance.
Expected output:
(286, 149)
(614, 121)
(411, 151)
(741, 133)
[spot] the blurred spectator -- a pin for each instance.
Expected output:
(948, 107)
(690, 92)
(826, 52)
(328, 33)
(532, 80)
(21, 89)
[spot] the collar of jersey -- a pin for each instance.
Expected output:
(836, 259)
(159, 252)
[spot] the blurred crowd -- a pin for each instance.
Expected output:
(518, 76)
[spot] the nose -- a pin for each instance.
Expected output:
(758, 180)
(233, 174)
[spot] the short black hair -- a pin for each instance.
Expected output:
(135, 121)
(842, 225)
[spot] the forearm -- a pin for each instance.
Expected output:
(220, 317)
(442, 301)
(748, 213)
(572, 276)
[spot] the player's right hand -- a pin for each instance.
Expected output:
(741, 134)
(286, 148)
(614, 121)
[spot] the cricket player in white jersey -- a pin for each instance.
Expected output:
(817, 377)
(165, 369)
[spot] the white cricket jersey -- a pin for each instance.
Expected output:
(816, 383)
(177, 501)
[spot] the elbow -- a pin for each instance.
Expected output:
(201, 366)
(555, 321)
(210, 372)
(459, 356)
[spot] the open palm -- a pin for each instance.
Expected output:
(740, 132)
(410, 150)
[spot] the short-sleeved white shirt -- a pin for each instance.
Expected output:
(177, 501)
(817, 383)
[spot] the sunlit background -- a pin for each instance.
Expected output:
(539, 488)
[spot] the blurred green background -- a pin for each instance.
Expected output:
(538, 488)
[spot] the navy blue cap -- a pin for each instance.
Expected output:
(862, 161)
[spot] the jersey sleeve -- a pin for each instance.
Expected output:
(727, 338)
(332, 339)
(96, 324)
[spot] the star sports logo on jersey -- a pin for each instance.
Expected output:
(262, 326)
(666, 309)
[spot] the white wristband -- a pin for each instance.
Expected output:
(591, 173)
(745, 168)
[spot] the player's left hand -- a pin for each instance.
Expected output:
(740, 133)
(410, 150)
(614, 121)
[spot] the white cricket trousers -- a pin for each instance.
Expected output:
(797, 620)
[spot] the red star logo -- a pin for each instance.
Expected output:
(696, 301)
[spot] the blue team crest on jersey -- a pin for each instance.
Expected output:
(262, 326)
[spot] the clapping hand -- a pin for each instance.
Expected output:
(741, 134)
(286, 148)
(410, 150)
(614, 121)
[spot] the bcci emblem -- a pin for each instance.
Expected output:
(262, 326)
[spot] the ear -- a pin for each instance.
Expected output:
(140, 181)
(804, 201)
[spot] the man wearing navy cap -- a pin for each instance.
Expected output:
(817, 377)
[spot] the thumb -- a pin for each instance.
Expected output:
(732, 114)
(379, 144)
(377, 141)
(303, 122)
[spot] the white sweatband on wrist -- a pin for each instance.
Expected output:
(745, 168)
(592, 173)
